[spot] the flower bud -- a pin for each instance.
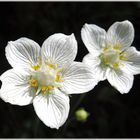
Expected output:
(81, 115)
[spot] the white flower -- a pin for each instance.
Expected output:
(111, 55)
(45, 76)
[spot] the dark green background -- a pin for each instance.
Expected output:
(112, 115)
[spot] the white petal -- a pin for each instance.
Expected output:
(52, 109)
(23, 53)
(59, 49)
(78, 78)
(121, 33)
(132, 63)
(120, 80)
(93, 37)
(15, 88)
(97, 68)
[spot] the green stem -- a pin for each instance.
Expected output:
(77, 104)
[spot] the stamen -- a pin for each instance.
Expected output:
(58, 78)
(105, 59)
(118, 47)
(46, 89)
(123, 56)
(33, 82)
(116, 65)
(59, 75)
(51, 66)
(36, 67)
(107, 48)
(50, 87)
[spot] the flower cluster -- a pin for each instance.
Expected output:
(46, 76)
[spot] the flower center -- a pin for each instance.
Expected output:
(112, 56)
(46, 79)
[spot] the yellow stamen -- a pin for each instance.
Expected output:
(105, 59)
(58, 78)
(46, 89)
(107, 48)
(123, 57)
(51, 65)
(117, 47)
(33, 82)
(50, 87)
(116, 65)
(36, 67)
(59, 75)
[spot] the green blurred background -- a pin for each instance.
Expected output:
(112, 115)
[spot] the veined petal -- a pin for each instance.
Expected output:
(52, 109)
(120, 80)
(78, 78)
(93, 37)
(132, 63)
(121, 33)
(59, 49)
(91, 60)
(96, 66)
(15, 87)
(23, 53)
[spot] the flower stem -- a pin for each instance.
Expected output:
(77, 104)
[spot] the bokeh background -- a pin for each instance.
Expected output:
(112, 115)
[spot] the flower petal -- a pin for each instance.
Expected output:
(97, 68)
(23, 53)
(120, 80)
(52, 109)
(15, 88)
(93, 37)
(121, 33)
(59, 49)
(78, 78)
(132, 63)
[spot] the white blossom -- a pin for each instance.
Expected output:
(111, 55)
(45, 76)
